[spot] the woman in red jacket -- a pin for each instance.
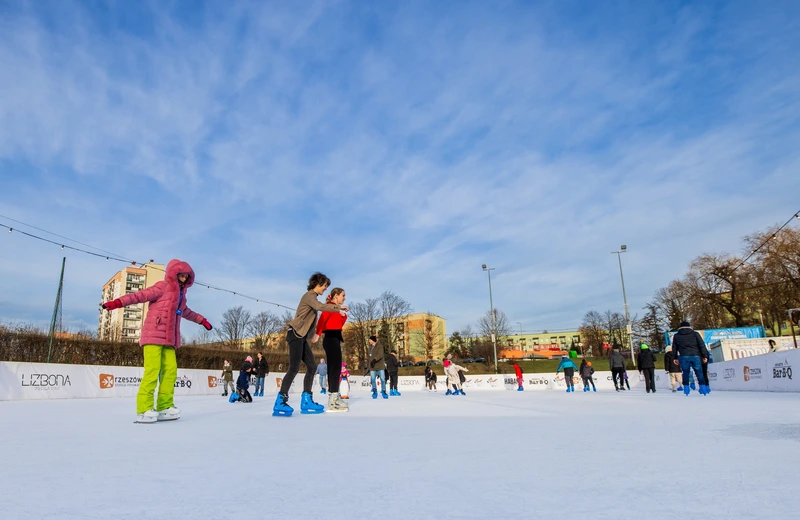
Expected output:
(330, 324)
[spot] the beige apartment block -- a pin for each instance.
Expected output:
(126, 324)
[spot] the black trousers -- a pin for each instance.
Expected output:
(617, 373)
(333, 349)
(705, 370)
(393, 380)
(299, 349)
(649, 379)
(587, 381)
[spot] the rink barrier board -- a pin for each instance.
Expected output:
(764, 373)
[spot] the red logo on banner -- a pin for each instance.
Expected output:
(212, 381)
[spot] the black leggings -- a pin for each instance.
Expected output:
(333, 349)
(299, 349)
(393, 380)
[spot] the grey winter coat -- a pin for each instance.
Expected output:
(616, 361)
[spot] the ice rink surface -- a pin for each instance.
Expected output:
(423, 455)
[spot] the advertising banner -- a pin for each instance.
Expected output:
(56, 381)
(772, 372)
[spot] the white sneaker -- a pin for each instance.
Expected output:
(150, 416)
(170, 414)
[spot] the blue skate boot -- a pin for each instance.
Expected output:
(234, 397)
(384, 395)
(282, 407)
(307, 405)
(448, 392)
(686, 390)
(323, 391)
(520, 389)
(693, 387)
(461, 392)
(396, 392)
(374, 394)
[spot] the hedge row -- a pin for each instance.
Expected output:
(33, 347)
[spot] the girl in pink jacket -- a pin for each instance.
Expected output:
(161, 336)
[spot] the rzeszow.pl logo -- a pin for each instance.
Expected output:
(212, 381)
(751, 373)
(108, 381)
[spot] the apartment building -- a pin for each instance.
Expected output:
(126, 324)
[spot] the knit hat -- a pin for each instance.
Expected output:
(588, 363)
(685, 324)
(248, 359)
(644, 347)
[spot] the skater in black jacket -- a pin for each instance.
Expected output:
(242, 393)
(647, 367)
(674, 371)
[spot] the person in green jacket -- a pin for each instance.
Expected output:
(227, 378)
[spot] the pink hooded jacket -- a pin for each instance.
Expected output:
(163, 325)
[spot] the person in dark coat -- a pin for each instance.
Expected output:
(430, 378)
(647, 366)
(617, 365)
(586, 371)
(392, 366)
(243, 382)
(691, 353)
(261, 370)
(377, 367)
(674, 371)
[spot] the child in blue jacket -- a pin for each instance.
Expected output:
(569, 372)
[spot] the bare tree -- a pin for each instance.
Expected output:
(234, 326)
(614, 323)
(499, 326)
(393, 309)
(263, 327)
(203, 337)
(363, 320)
(593, 332)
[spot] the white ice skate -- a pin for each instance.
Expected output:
(335, 403)
(150, 416)
(170, 414)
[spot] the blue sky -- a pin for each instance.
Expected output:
(394, 146)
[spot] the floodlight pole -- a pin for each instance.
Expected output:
(491, 310)
(622, 249)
